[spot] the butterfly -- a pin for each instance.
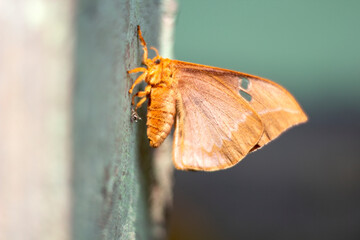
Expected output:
(220, 115)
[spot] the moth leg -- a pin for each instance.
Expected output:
(135, 70)
(138, 80)
(140, 103)
(141, 93)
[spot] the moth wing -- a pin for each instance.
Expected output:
(215, 128)
(277, 108)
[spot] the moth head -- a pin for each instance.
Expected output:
(153, 63)
(154, 67)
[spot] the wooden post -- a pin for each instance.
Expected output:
(72, 165)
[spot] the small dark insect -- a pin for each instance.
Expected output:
(134, 116)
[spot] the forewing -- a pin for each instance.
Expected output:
(215, 127)
(276, 107)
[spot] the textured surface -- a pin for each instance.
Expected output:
(111, 167)
(72, 165)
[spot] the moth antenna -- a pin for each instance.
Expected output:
(142, 43)
(140, 36)
(156, 51)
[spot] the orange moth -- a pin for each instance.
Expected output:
(220, 115)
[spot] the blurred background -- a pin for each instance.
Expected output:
(305, 184)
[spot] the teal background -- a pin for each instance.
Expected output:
(306, 184)
(310, 47)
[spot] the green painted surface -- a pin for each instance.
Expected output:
(111, 154)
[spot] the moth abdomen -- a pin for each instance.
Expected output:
(157, 130)
(161, 114)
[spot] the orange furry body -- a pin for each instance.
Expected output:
(161, 114)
